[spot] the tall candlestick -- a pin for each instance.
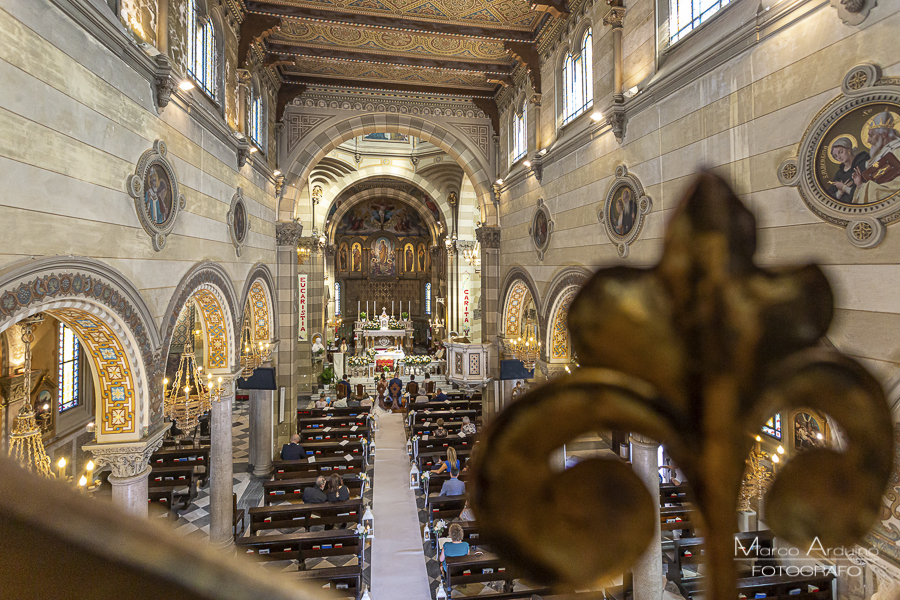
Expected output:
(392, 308)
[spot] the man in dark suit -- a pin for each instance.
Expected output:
(441, 396)
(412, 387)
(316, 494)
(293, 451)
(395, 390)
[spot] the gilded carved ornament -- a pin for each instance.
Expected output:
(695, 353)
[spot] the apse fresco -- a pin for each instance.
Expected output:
(386, 137)
(382, 216)
(411, 190)
(383, 260)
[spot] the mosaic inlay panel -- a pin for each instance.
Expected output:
(514, 309)
(260, 312)
(216, 333)
(117, 393)
(474, 364)
(560, 332)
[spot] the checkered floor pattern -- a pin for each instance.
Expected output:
(194, 522)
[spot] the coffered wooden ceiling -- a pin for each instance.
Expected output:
(443, 47)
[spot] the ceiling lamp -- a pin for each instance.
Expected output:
(250, 356)
(25, 443)
(527, 351)
(472, 255)
(188, 398)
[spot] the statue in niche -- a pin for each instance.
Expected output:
(421, 257)
(410, 262)
(343, 258)
(357, 258)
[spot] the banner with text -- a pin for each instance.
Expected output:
(301, 306)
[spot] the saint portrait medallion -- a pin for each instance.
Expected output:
(154, 188)
(541, 229)
(238, 221)
(848, 167)
(624, 209)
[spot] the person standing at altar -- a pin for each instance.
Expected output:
(395, 390)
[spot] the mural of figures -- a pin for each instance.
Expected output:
(382, 215)
(807, 433)
(858, 159)
(422, 257)
(386, 137)
(409, 259)
(624, 211)
(158, 194)
(357, 257)
(383, 264)
(342, 258)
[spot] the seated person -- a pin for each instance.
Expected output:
(353, 402)
(453, 486)
(340, 403)
(367, 401)
(440, 432)
(455, 547)
(316, 494)
(440, 396)
(343, 387)
(293, 451)
(421, 398)
(468, 427)
(336, 490)
(446, 465)
(322, 402)
(467, 514)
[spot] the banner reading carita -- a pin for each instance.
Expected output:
(301, 306)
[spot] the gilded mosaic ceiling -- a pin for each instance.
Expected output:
(505, 14)
(352, 70)
(375, 41)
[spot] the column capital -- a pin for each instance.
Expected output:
(615, 18)
(489, 237)
(288, 233)
(127, 459)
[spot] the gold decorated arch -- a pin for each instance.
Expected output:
(259, 311)
(559, 331)
(515, 303)
(215, 329)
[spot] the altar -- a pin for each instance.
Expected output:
(383, 333)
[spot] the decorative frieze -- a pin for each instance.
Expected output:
(488, 237)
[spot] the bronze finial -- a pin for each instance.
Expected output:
(695, 353)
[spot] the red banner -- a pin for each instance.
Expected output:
(381, 363)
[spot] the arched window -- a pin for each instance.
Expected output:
(256, 119)
(685, 15)
(201, 45)
(337, 298)
(68, 373)
(427, 298)
(520, 132)
(578, 80)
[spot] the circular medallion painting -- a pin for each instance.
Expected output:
(624, 210)
(158, 194)
(541, 229)
(240, 222)
(856, 159)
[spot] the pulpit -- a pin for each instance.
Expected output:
(467, 363)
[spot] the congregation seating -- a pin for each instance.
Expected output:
(291, 490)
(343, 582)
(445, 507)
(674, 495)
(331, 448)
(333, 433)
(435, 482)
(431, 460)
(303, 545)
(292, 516)
(293, 469)
(435, 444)
(452, 428)
(677, 518)
(687, 554)
(174, 457)
(776, 587)
(455, 404)
(426, 416)
(477, 568)
(360, 420)
(345, 411)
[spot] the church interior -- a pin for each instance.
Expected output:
(567, 299)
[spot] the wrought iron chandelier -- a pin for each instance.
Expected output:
(527, 351)
(252, 355)
(25, 443)
(189, 397)
(472, 255)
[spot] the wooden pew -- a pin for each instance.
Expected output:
(430, 443)
(329, 421)
(294, 469)
(689, 552)
(422, 416)
(436, 482)
(331, 448)
(444, 507)
(351, 577)
(348, 411)
(675, 495)
(477, 568)
(293, 516)
(291, 490)
(677, 518)
(300, 546)
(452, 428)
(777, 587)
(455, 404)
(176, 457)
(431, 460)
(333, 433)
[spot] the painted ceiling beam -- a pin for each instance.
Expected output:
(253, 27)
(556, 8)
(388, 86)
(285, 52)
(527, 54)
(386, 22)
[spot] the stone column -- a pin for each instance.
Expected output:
(648, 576)
(286, 357)
(261, 446)
(489, 237)
(314, 267)
(128, 463)
(221, 466)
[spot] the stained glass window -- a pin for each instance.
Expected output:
(68, 369)
(520, 133)
(256, 120)
(427, 298)
(773, 427)
(201, 49)
(685, 15)
(337, 298)
(578, 80)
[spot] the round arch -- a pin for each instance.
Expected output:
(257, 302)
(390, 193)
(517, 287)
(110, 319)
(209, 286)
(330, 135)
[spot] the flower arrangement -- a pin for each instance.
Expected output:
(370, 325)
(418, 360)
(386, 369)
(362, 531)
(438, 527)
(371, 352)
(426, 476)
(360, 361)
(395, 324)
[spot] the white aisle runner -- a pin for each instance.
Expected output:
(398, 563)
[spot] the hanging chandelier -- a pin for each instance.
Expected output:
(25, 443)
(189, 398)
(527, 351)
(249, 355)
(472, 255)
